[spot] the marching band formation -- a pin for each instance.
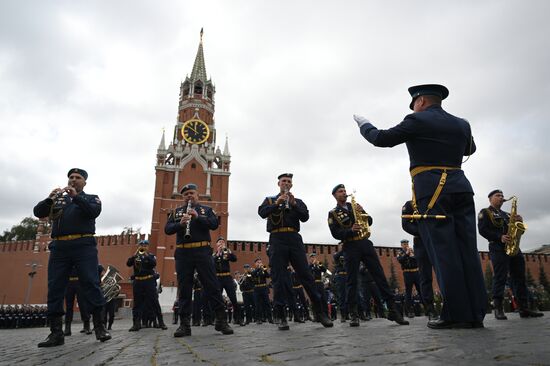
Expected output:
(440, 216)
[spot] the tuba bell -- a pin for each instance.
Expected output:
(109, 283)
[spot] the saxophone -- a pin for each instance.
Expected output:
(515, 229)
(361, 218)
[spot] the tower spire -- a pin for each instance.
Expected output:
(199, 69)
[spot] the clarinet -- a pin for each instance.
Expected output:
(187, 235)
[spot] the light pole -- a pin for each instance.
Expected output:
(31, 274)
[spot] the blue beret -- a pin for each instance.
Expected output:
(404, 241)
(246, 265)
(313, 254)
(427, 89)
(337, 188)
(494, 191)
(143, 242)
(82, 172)
(188, 187)
(220, 238)
(257, 259)
(285, 175)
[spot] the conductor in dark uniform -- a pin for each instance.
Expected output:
(436, 142)
(72, 214)
(192, 223)
(424, 265)
(144, 284)
(493, 226)
(284, 213)
(222, 257)
(343, 226)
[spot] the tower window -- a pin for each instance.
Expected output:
(193, 166)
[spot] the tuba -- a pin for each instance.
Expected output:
(515, 229)
(109, 283)
(361, 218)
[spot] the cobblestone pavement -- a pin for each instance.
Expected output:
(378, 342)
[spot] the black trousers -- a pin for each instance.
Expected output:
(451, 245)
(355, 252)
(72, 291)
(285, 249)
(64, 254)
(261, 299)
(227, 284)
(248, 300)
(411, 279)
(504, 264)
(199, 259)
(340, 282)
(425, 270)
(144, 293)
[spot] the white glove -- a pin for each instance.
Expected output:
(360, 120)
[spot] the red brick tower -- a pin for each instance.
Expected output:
(191, 157)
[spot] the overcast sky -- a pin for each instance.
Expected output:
(91, 84)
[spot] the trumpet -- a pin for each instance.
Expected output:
(141, 251)
(187, 235)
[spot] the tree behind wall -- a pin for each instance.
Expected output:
(26, 230)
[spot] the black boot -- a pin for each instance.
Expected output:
(111, 321)
(526, 313)
(499, 310)
(56, 337)
(354, 318)
(136, 324)
(321, 316)
(343, 316)
(283, 324)
(184, 329)
(221, 324)
(395, 315)
(101, 333)
(161, 322)
(196, 322)
(298, 317)
(67, 331)
(86, 327)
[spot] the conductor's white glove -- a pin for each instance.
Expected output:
(360, 120)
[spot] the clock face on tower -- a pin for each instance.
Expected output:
(195, 131)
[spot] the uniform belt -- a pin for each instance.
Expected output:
(261, 285)
(284, 230)
(73, 278)
(141, 278)
(197, 289)
(342, 273)
(222, 274)
(297, 287)
(247, 291)
(411, 270)
(421, 169)
(318, 281)
(197, 244)
(442, 180)
(72, 236)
